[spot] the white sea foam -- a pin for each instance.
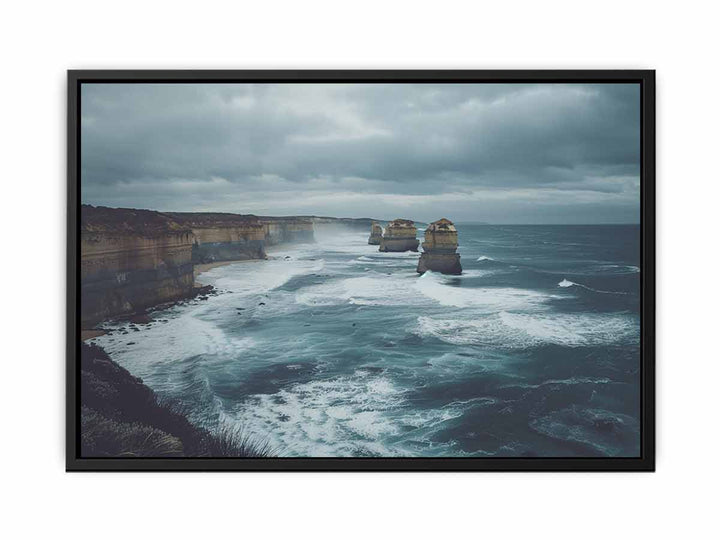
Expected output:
(342, 416)
(473, 273)
(186, 334)
(566, 283)
(515, 330)
(485, 258)
(373, 289)
(619, 268)
(258, 277)
(435, 286)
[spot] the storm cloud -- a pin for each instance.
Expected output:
(512, 153)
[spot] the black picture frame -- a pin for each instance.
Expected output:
(646, 461)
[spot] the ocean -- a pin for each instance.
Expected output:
(336, 349)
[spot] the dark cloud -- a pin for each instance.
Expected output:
(488, 152)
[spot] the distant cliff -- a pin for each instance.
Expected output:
(358, 224)
(131, 260)
(293, 230)
(223, 237)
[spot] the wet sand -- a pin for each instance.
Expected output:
(89, 334)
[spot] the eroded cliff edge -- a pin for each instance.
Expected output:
(131, 260)
(223, 237)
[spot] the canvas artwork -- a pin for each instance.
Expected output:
(359, 270)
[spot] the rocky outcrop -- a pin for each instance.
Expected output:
(131, 260)
(376, 234)
(122, 417)
(223, 237)
(280, 230)
(439, 249)
(400, 235)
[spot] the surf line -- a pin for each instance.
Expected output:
(567, 283)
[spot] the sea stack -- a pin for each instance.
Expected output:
(439, 249)
(400, 235)
(375, 234)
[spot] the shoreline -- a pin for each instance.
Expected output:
(200, 269)
(86, 334)
(198, 288)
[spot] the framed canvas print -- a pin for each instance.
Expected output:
(361, 270)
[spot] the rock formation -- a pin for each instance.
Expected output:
(400, 235)
(439, 249)
(130, 260)
(376, 234)
(223, 237)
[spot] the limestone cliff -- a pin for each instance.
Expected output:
(223, 237)
(280, 230)
(439, 249)
(130, 260)
(400, 235)
(376, 234)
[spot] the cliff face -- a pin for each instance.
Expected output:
(439, 249)
(131, 260)
(280, 230)
(223, 237)
(356, 224)
(376, 234)
(400, 235)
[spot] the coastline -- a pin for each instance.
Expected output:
(92, 333)
(200, 269)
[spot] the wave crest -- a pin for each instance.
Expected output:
(520, 331)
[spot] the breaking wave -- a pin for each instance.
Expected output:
(358, 415)
(435, 286)
(520, 331)
(565, 283)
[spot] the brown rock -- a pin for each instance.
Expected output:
(400, 235)
(376, 234)
(439, 249)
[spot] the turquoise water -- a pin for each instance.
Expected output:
(335, 349)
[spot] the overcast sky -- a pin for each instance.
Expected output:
(513, 153)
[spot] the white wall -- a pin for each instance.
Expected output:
(39, 42)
